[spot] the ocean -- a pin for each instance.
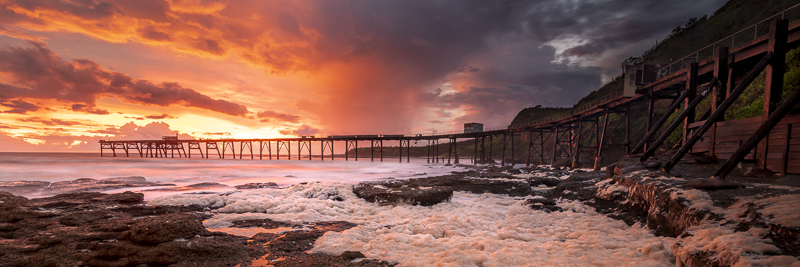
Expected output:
(469, 230)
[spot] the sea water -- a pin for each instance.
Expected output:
(469, 230)
(54, 167)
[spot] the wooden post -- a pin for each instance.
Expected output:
(627, 131)
(513, 156)
(686, 113)
(475, 156)
(530, 145)
(455, 150)
(719, 94)
(643, 143)
(650, 115)
(719, 112)
(575, 155)
(785, 154)
(400, 150)
(555, 147)
(773, 84)
(760, 133)
(691, 86)
(503, 157)
(602, 138)
(449, 150)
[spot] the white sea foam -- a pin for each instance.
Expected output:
(470, 230)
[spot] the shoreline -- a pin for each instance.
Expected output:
(627, 191)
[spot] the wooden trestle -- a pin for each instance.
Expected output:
(722, 77)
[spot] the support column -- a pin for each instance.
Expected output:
(773, 84)
(555, 146)
(599, 158)
(691, 85)
(718, 94)
(455, 150)
(576, 155)
(650, 115)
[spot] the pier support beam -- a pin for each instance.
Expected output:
(773, 84)
(719, 112)
(578, 143)
(599, 158)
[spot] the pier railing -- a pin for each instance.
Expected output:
(750, 33)
(758, 30)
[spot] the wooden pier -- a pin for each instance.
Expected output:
(771, 140)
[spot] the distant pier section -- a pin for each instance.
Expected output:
(720, 71)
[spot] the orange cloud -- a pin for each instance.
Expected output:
(39, 73)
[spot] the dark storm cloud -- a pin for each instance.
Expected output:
(46, 76)
(611, 24)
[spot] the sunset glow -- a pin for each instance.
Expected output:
(74, 72)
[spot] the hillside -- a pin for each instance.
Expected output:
(695, 34)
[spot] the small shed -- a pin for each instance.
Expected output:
(473, 127)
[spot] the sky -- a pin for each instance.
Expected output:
(73, 72)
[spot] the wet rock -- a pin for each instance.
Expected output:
(197, 251)
(542, 204)
(164, 228)
(89, 184)
(257, 185)
(295, 241)
(265, 237)
(351, 255)
(333, 226)
(714, 184)
(425, 196)
(84, 199)
(651, 164)
(263, 223)
(693, 158)
(142, 210)
(191, 187)
(23, 187)
(759, 173)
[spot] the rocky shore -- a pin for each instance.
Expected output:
(751, 220)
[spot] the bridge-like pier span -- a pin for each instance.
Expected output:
(721, 71)
(263, 148)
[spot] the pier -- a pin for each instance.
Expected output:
(721, 71)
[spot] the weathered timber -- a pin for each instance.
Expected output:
(760, 133)
(688, 111)
(719, 112)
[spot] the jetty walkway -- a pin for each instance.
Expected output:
(721, 71)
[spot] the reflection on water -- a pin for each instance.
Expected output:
(54, 167)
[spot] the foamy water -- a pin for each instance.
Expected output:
(470, 230)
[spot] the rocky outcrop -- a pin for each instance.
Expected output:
(424, 196)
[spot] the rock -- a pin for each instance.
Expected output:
(93, 185)
(351, 255)
(257, 185)
(759, 173)
(164, 228)
(425, 196)
(714, 184)
(197, 251)
(263, 223)
(542, 204)
(695, 158)
(651, 164)
(334, 226)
